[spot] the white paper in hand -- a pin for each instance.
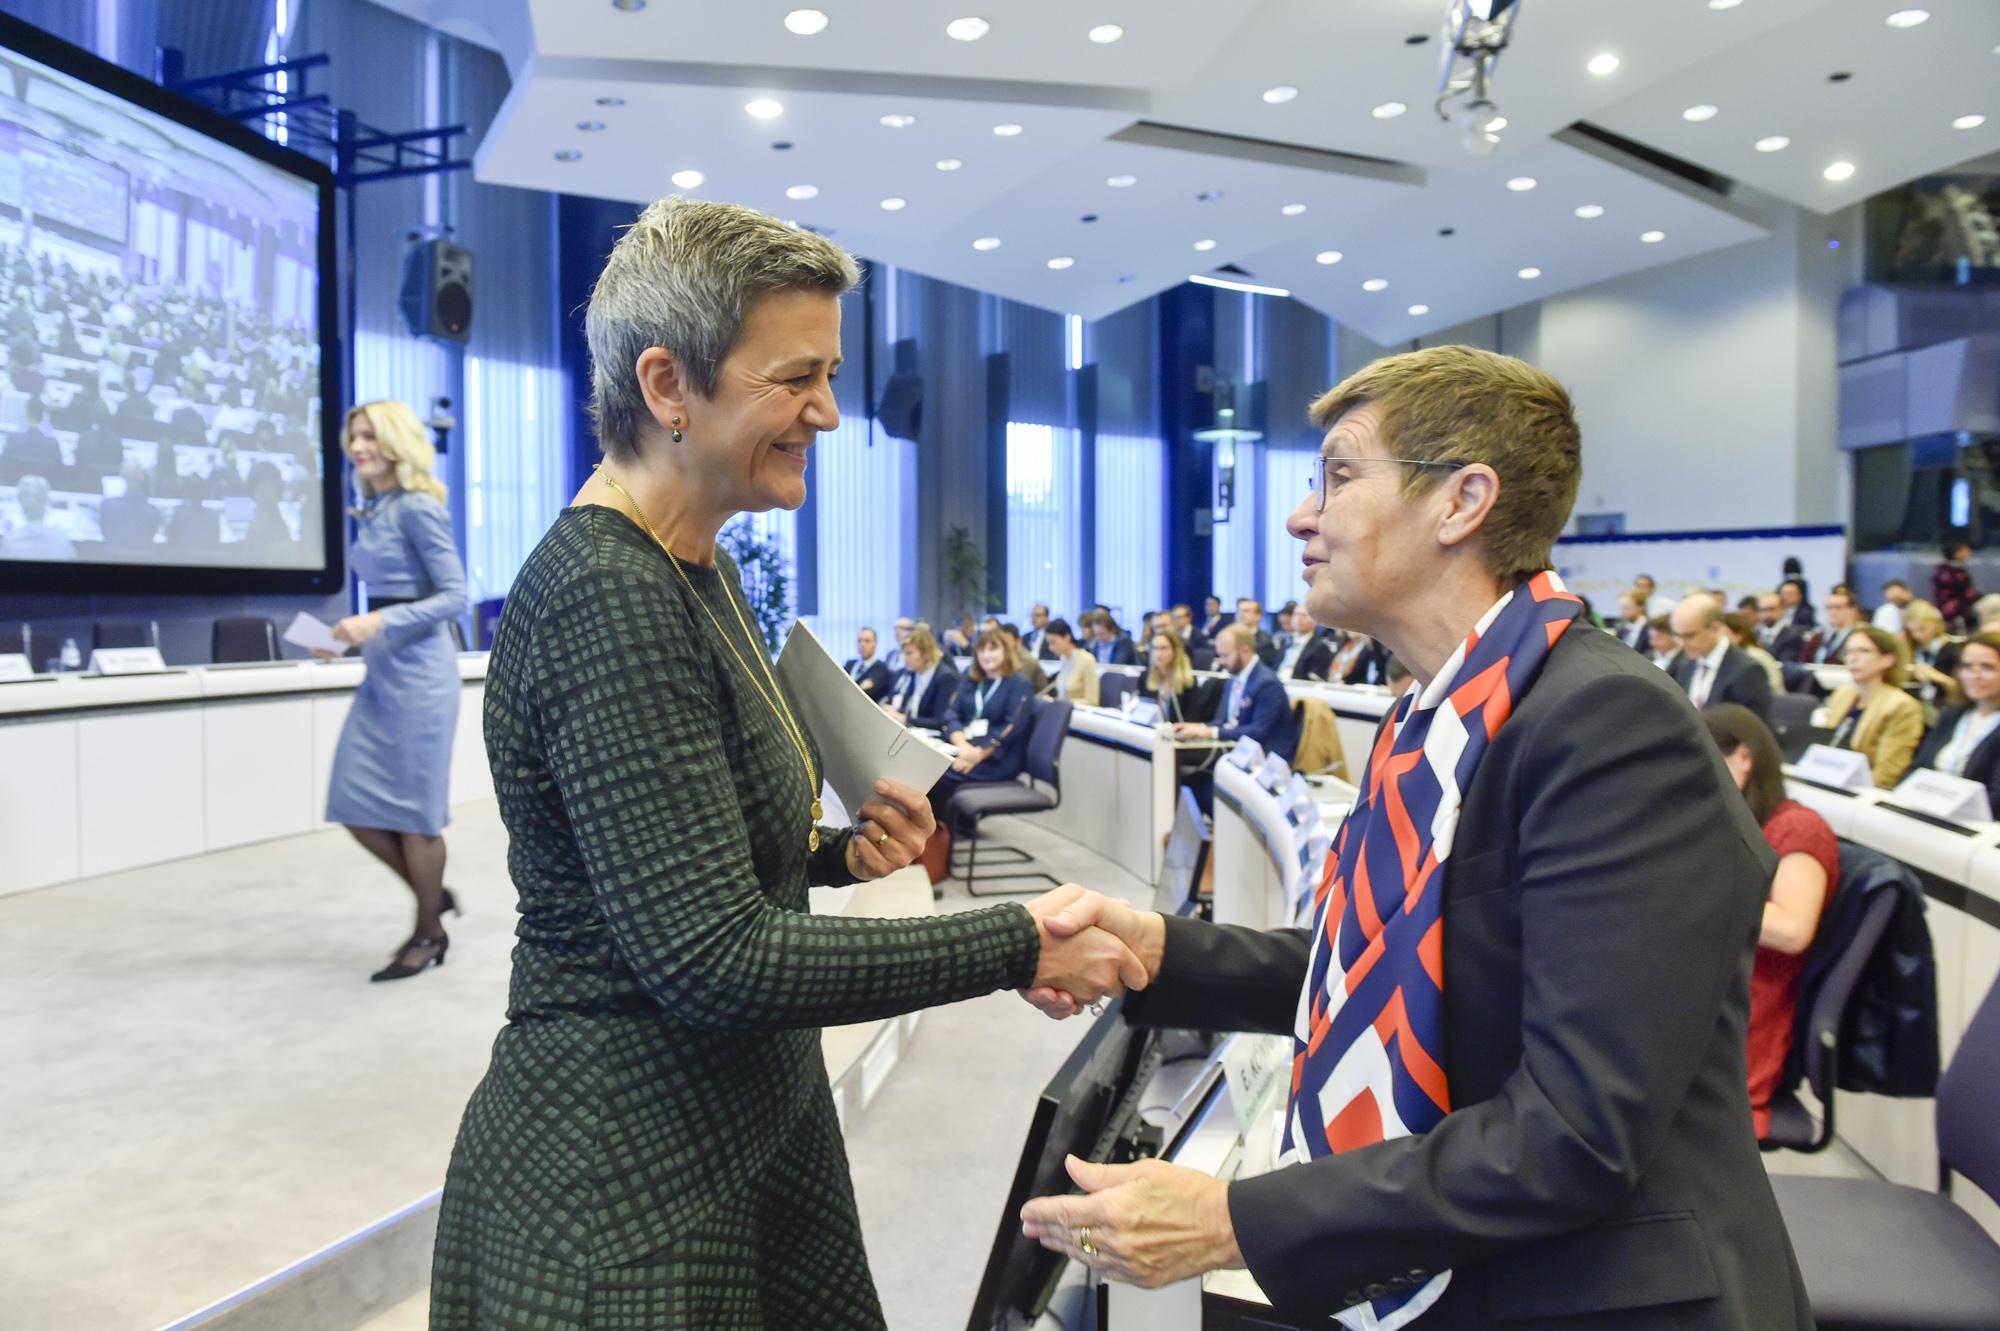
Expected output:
(311, 634)
(859, 742)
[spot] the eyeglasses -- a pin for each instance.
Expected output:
(1316, 480)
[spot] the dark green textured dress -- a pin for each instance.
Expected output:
(655, 1143)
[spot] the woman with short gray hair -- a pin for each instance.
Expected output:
(655, 1145)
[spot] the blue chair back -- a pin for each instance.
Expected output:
(1968, 1100)
(1044, 760)
(1112, 686)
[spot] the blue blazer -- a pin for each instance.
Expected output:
(927, 712)
(1006, 714)
(1265, 716)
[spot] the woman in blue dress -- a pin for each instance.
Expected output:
(391, 773)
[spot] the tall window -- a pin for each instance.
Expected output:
(1236, 541)
(513, 478)
(1131, 524)
(864, 495)
(1284, 486)
(1043, 561)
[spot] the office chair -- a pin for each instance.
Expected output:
(235, 638)
(980, 800)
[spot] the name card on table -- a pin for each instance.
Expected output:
(1247, 754)
(1942, 795)
(1313, 854)
(14, 666)
(1275, 772)
(1255, 1068)
(1843, 769)
(126, 661)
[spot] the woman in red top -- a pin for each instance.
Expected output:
(1808, 868)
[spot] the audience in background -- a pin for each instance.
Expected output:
(1076, 670)
(1316, 660)
(1037, 638)
(924, 691)
(872, 675)
(1658, 605)
(1952, 591)
(958, 638)
(1888, 616)
(1965, 741)
(1212, 620)
(1986, 612)
(987, 721)
(1873, 716)
(1782, 639)
(32, 537)
(894, 660)
(1808, 871)
(1933, 656)
(1254, 704)
(1630, 625)
(1024, 660)
(1829, 645)
(129, 521)
(1742, 635)
(1170, 682)
(1663, 649)
(1191, 634)
(1110, 644)
(1710, 669)
(1795, 611)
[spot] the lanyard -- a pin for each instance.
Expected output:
(979, 700)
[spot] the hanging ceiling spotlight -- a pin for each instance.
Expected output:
(1476, 32)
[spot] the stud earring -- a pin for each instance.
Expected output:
(677, 429)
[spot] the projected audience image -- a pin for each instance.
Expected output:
(159, 339)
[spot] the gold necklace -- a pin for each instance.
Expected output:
(774, 699)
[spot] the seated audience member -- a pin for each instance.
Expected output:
(1037, 639)
(34, 448)
(1288, 643)
(1873, 715)
(988, 722)
(1630, 626)
(1663, 649)
(1784, 641)
(923, 693)
(1933, 656)
(32, 537)
(1316, 660)
(267, 538)
(1746, 606)
(1966, 739)
(1076, 669)
(1952, 591)
(1710, 670)
(958, 638)
(1743, 636)
(1658, 604)
(1191, 634)
(1808, 870)
(1170, 681)
(1829, 645)
(1889, 615)
(1986, 613)
(1795, 611)
(129, 521)
(1368, 666)
(1212, 620)
(1254, 704)
(1024, 660)
(872, 675)
(1112, 645)
(990, 624)
(1250, 615)
(894, 660)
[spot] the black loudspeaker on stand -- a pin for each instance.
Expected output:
(437, 290)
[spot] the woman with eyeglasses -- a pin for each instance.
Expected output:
(1966, 739)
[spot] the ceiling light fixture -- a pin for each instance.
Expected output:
(1388, 110)
(1420, 310)
(949, 164)
(1697, 114)
(1327, 256)
(1521, 184)
(969, 29)
(628, 6)
(1590, 211)
(1529, 274)
(1208, 196)
(568, 155)
(1776, 143)
(1724, 4)
(1060, 262)
(593, 126)
(611, 101)
(764, 109)
(894, 204)
(688, 179)
(985, 243)
(1202, 279)
(1007, 131)
(897, 120)
(802, 192)
(1652, 237)
(1106, 33)
(806, 22)
(1968, 122)
(1204, 245)
(1839, 171)
(1496, 124)
(1281, 94)
(1292, 209)
(1601, 65)
(1122, 182)
(1376, 284)
(1908, 18)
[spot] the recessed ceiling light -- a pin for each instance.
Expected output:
(1420, 309)
(1106, 33)
(1652, 237)
(629, 6)
(985, 243)
(611, 101)
(897, 120)
(949, 164)
(1968, 122)
(1724, 4)
(894, 204)
(1208, 196)
(568, 155)
(1292, 209)
(969, 29)
(802, 192)
(688, 179)
(1060, 262)
(1376, 284)
(593, 126)
(806, 22)
(1204, 245)
(1908, 18)
(1529, 274)
(1122, 182)
(1521, 184)
(1327, 256)
(1007, 131)
(1590, 211)
(1839, 171)
(1776, 143)
(764, 109)
(1284, 92)
(1697, 114)
(1601, 65)
(1388, 110)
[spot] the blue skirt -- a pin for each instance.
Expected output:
(393, 767)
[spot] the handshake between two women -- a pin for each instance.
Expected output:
(1093, 947)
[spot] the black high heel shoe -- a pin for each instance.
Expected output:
(398, 969)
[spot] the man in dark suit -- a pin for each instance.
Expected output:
(1250, 615)
(1711, 670)
(1211, 616)
(1036, 641)
(1584, 1156)
(1111, 645)
(872, 675)
(1191, 634)
(1254, 703)
(1783, 640)
(1828, 646)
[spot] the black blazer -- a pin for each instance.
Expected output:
(1195, 703)
(927, 712)
(1371, 667)
(874, 681)
(1317, 658)
(1267, 649)
(1737, 679)
(1123, 651)
(1789, 643)
(1984, 764)
(1598, 1170)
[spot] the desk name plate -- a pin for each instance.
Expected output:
(14, 667)
(126, 661)
(1942, 795)
(1247, 754)
(1843, 769)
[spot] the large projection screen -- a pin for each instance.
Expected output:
(166, 326)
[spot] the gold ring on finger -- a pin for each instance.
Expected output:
(882, 840)
(1083, 1242)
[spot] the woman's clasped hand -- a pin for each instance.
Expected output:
(1093, 947)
